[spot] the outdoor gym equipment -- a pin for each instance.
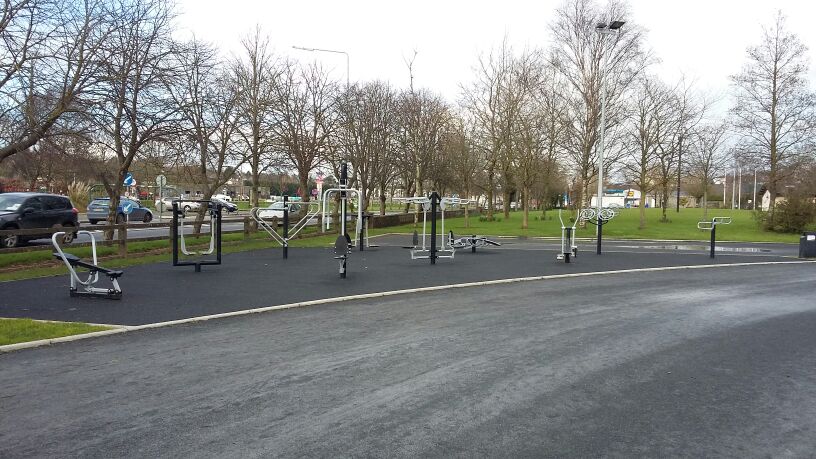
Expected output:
(312, 210)
(341, 251)
(712, 226)
(177, 234)
(568, 247)
(73, 262)
(600, 219)
(470, 241)
(433, 203)
(343, 191)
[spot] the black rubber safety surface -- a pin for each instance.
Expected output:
(160, 292)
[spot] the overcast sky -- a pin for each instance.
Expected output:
(703, 39)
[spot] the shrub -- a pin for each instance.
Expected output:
(79, 192)
(791, 216)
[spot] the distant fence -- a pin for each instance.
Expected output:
(248, 226)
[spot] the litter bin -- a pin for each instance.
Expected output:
(807, 245)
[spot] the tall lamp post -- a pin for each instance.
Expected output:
(604, 30)
(321, 50)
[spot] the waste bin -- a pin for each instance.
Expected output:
(807, 245)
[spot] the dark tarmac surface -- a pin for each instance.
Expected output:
(718, 362)
(160, 292)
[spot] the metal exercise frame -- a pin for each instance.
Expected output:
(344, 192)
(72, 262)
(600, 219)
(568, 247)
(470, 241)
(433, 203)
(312, 211)
(177, 232)
(712, 226)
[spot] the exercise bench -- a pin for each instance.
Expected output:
(72, 262)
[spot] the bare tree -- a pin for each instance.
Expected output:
(579, 52)
(133, 107)
(775, 111)
(255, 73)
(462, 159)
(493, 105)
(207, 98)
(366, 129)
(686, 111)
(304, 108)
(421, 119)
(50, 57)
(652, 105)
(707, 156)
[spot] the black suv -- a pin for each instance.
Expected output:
(35, 210)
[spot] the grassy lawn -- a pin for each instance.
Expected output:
(682, 225)
(22, 330)
(139, 253)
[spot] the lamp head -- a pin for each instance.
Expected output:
(615, 25)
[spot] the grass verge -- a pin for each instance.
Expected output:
(14, 331)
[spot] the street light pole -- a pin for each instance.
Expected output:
(604, 30)
(321, 50)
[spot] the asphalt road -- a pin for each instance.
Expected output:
(718, 362)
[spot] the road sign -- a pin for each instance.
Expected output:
(127, 207)
(129, 180)
(314, 192)
(161, 180)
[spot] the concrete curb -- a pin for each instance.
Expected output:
(362, 296)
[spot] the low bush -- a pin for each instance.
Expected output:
(794, 215)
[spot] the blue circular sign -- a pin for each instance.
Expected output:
(129, 180)
(127, 207)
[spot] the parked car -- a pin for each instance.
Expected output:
(222, 197)
(36, 210)
(275, 210)
(99, 208)
(225, 205)
(166, 204)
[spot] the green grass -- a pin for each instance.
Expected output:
(682, 225)
(137, 255)
(22, 330)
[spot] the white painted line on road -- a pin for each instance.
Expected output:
(363, 296)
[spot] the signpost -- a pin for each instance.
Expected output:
(127, 208)
(129, 180)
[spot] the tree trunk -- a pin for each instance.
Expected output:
(705, 203)
(643, 200)
(467, 196)
(526, 204)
